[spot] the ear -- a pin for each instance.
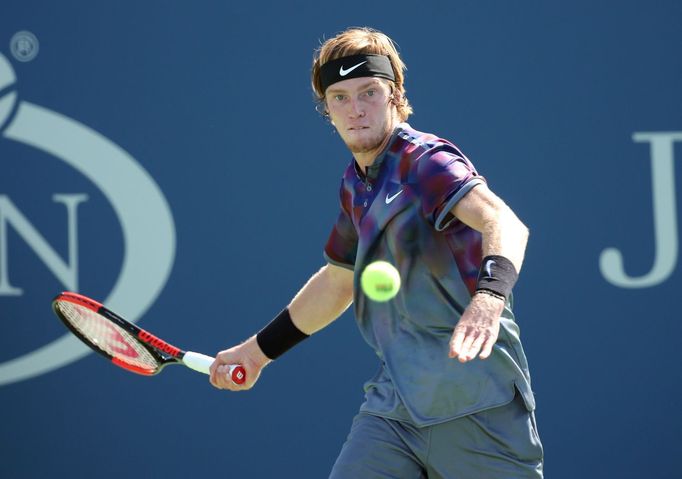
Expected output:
(396, 97)
(321, 108)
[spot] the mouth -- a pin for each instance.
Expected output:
(358, 128)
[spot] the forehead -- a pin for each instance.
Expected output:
(355, 84)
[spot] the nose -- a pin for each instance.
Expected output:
(356, 109)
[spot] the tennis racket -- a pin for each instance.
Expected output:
(125, 344)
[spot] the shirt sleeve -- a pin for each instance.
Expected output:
(342, 244)
(444, 178)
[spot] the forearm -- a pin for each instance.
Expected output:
(505, 235)
(325, 296)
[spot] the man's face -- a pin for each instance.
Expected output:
(361, 111)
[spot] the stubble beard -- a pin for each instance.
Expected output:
(365, 146)
(370, 144)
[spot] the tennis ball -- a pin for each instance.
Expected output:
(380, 281)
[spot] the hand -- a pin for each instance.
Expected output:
(477, 329)
(249, 355)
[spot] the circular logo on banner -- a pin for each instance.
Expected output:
(24, 46)
(148, 230)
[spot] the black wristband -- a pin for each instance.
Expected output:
(497, 275)
(490, 293)
(279, 336)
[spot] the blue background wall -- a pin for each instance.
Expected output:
(213, 100)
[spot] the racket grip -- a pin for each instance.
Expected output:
(202, 363)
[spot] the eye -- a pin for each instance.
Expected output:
(371, 92)
(339, 97)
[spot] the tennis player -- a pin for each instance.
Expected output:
(452, 397)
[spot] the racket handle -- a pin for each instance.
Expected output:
(202, 363)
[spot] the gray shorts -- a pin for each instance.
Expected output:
(502, 442)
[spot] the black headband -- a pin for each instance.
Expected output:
(365, 65)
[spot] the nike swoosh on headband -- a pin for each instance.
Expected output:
(343, 72)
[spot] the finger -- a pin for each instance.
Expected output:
(456, 343)
(222, 378)
(488, 347)
(214, 378)
(466, 346)
(214, 369)
(475, 347)
(213, 365)
(211, 371)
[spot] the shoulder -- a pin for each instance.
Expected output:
(425, 154)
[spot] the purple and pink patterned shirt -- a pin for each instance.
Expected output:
(400, 212)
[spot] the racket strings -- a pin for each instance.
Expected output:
(107, 336)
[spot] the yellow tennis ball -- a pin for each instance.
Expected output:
(380, 281)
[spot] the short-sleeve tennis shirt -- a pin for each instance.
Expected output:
(399, 211)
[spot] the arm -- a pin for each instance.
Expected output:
(503, 234)
(325, 296)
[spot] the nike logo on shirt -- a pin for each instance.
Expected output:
(391, 198)
(343, 72)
